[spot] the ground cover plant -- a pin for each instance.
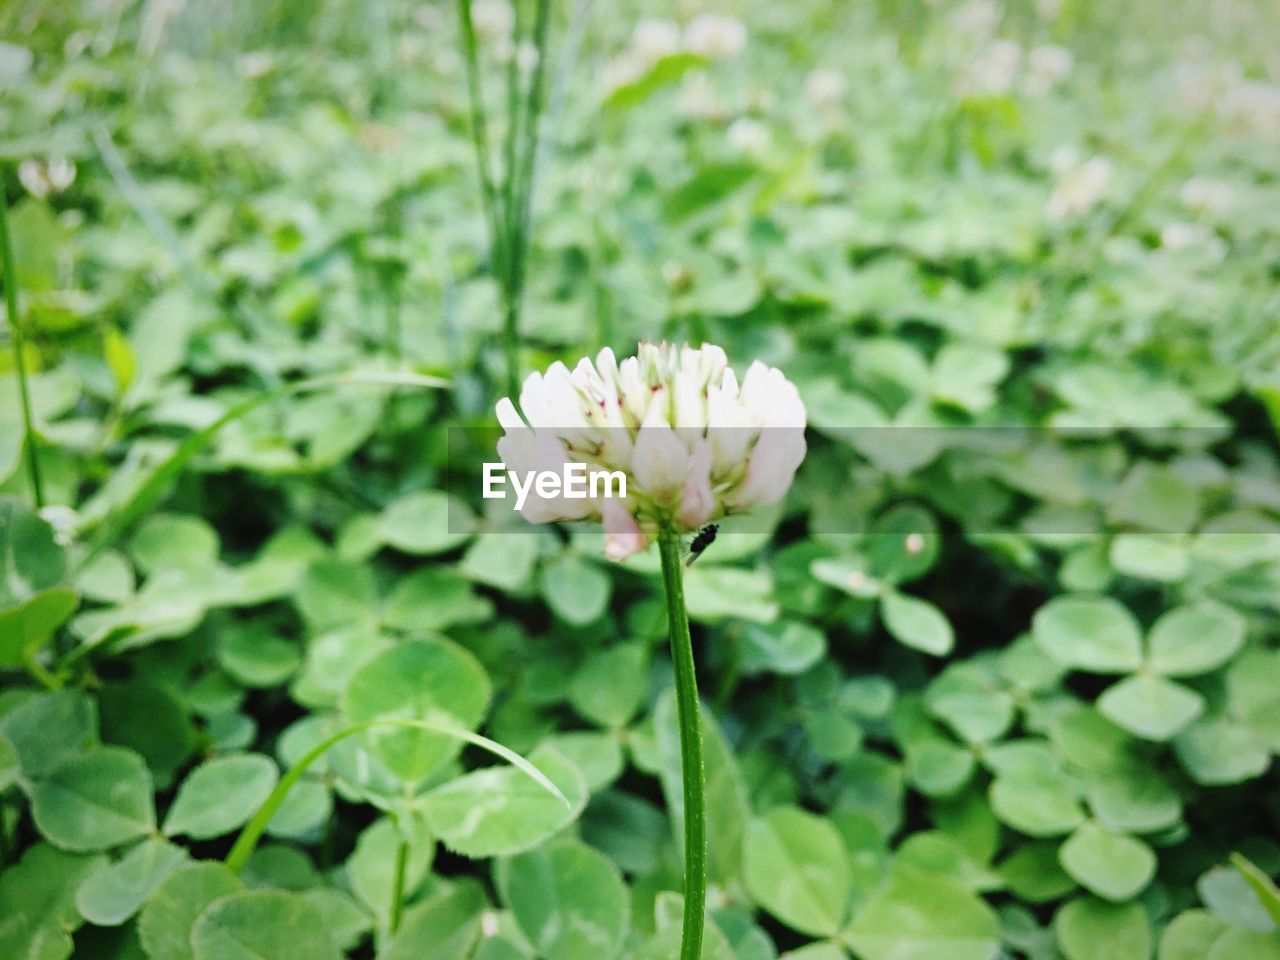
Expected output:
(999, 677)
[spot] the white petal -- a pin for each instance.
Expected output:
(772, 467)
(508, 418)
(659, 461)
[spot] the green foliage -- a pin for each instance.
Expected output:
(96, 800)
(796, 867)
(164, 926)
(220, 795)
(999, 678)
(260, 923)
(569, 901)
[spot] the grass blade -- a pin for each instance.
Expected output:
(19, 361)
(147, 495)
(244, 846)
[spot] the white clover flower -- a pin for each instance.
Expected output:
(994, 71)
(492, 19)
(693, 444)
(977, 18)
(698, 98)
(526, 53)
(715, 37)
(1047, 66)
(1204, 195)
(1080, 188)
(1180, 235)
(748, 135)
(824, 87)
(1049, 10)
(42, 178)
(64, 521)
(1063, 158)
(1254, 107)
(654, 39)
(623, 70)
(255, 64)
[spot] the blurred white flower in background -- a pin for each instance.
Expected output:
(707, 35)
(698, 98)
(748, 135)
(651, 40)
(1063, 159)
(492, 19)
(1080, 186)
(255, 64)
(1204, 195)
(993, 71)
(41, 178)
(1047, 66)
(1253, 106)
(526, 53)
(621, 71)
(428, 17)
(715, 37)
(694, 445)
(1049, 10)
(824, 87)
(1180, 235)
(976, 19)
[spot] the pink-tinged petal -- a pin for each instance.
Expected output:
(698, 504)
(772, 467)
(622, 535)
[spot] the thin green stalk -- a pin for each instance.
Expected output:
(38, 672)
(157, 484)
(4, 835)
(19, 360)
(397, 885)
(520, 178)
(479, 129)
(497, 216)
(688, 712)
(510, 201)
(532, 121)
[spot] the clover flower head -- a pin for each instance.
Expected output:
(715, 37)
(654, 39)
(698, 98)
(492, 19)
(1080, 187)
(748, 135)
(40, 178)
(693, 443)
(1047, 66)
(1206, 196)
(993, 71)
(825, 86)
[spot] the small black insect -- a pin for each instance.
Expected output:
(701, 540)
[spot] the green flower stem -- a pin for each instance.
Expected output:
(19, 360)
(397, 885)
(695, 801)
(508, 201)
